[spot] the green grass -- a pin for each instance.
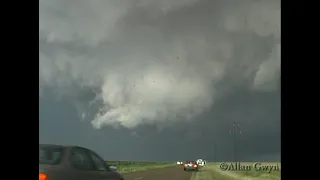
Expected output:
(130, 166)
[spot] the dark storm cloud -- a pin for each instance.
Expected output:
(169, 74)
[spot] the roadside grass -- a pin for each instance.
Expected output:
(252, 174)
(206, 173)
(131, 166)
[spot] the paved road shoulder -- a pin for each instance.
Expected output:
(167, 173)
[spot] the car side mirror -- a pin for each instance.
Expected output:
(112, 168)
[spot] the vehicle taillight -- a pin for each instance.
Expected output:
(43, 176)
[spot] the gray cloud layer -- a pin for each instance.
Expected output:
(146, 63)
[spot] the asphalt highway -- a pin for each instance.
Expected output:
(169, 173)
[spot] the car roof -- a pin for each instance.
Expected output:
(61, 146)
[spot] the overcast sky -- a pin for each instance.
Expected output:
(161, 79)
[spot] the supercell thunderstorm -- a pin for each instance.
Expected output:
(146, 71)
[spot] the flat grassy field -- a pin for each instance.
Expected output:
(263, 171)
(130, 166)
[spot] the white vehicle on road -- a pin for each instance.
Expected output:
(201, 162)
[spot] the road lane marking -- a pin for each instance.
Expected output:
(138, 178)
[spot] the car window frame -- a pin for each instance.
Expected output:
(92, 153)
(61, 152)
(86, 152)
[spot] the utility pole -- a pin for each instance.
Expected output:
(235, 129)
(215, 152)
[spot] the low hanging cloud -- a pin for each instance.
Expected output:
(147, 64)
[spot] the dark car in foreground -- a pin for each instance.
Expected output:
(57, 162)
(190, 165)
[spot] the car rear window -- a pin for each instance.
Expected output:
(191, 162)
(49, 154)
